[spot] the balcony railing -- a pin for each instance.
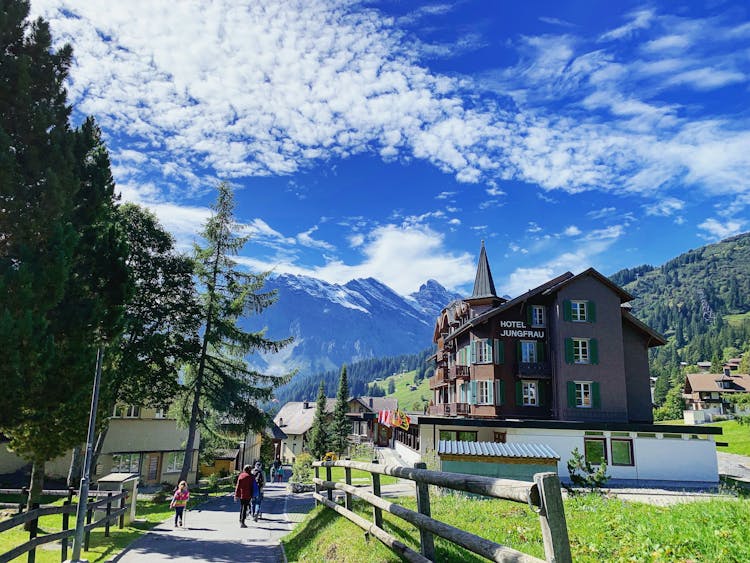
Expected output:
(458, 371)
(534, 368)
(449, 409)
(440, 378)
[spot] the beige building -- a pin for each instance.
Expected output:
(140, 440)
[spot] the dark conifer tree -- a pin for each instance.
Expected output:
(340, 425)
(319, 433)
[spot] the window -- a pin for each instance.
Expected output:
(528, 351)
(530, 394)
(581, 351)
(537, 315)
(622, 451)
(174, 462)
(481, 352)
(499, 437)
(460, 435)
(484, 392)
(595, 450)
(583, 394)
(578, 311)
(127, 411)
(160, 413)
(126, 463)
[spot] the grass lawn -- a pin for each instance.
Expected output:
(101, 548)
(407, 398)
(736, 435)
(600, 529)
(358, 477)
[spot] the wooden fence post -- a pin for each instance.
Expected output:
(377, 513)
(552, 518)
(317, 487)
(109, 513)
(89, 514)
(328, 478)
(121, 520)
(426, 539)
(33, 527)
(24, 497)
(348, 480)
(65, 526)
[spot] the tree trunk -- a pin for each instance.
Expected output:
(35, 487)
(76, 465)
(192, 428)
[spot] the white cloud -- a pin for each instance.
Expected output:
(305, 239)
(665, 207)
(640, 19)
(572, 231)
(494, 191)
(717, 230)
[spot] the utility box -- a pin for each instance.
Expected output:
(116, 483)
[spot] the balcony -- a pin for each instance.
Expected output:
(450, 409)
(440, 378)
(458, 371)
(539, 369)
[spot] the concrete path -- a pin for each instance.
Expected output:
(734, 465)
(212, 532)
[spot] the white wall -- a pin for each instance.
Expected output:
(656, 459)
(409, 456)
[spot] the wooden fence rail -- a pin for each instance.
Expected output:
(543, 496)
(32, 517)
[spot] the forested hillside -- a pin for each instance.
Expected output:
(700, 301)
(359, 374)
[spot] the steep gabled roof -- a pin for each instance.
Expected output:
(483, 284)
(624, 295)
(695, 382)
(294, 418)
(655, 339)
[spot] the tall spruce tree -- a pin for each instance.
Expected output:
(63, 278)
(340, 425)
(319, 433)
(222, 381)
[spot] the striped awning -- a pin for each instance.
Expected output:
(493, 449)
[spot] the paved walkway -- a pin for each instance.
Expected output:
(734, 465)
(212, 532)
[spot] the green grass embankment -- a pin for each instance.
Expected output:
(408, 399)
(600, 530)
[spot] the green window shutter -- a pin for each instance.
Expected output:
(540, 352)
(498, 354)
(595, 397)
(567, 314)
(472, 392)
(491, 392)
(591, 306)
(474, 352)
(569, 356)
(519, 393)
(571, 394)
(594, 350)
(499, 392)
(529, 316)
(540, 390)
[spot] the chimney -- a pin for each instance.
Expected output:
(727, 372)
(370, 402)
(281, 422)
(306, 405)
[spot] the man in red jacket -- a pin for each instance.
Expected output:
(244, 491)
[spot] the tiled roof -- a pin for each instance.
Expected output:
(294, 418)
(378, 403)
(740, 382)
(493, 449)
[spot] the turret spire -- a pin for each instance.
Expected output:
(483, 284)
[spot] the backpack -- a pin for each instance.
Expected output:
(258, 474)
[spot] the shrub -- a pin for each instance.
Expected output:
(302, 469)
(583, 475)
(212, 482)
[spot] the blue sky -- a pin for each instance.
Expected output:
(387, 139)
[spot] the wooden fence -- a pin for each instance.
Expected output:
(543, 496)
(68, 508)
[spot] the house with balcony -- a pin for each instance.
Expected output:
(706, 395)
(568, 349)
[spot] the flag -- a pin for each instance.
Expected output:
(384, 418)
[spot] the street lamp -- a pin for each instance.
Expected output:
(242, 454)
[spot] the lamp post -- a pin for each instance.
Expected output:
(242, 454)
(83, 491)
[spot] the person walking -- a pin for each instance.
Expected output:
(277, 472)
(244, 491)
(260, 482)
(179, 503)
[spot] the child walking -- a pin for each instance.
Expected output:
(179, 502)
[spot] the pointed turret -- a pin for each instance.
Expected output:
(483, 284)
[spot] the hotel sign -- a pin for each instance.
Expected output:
(519, 329)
